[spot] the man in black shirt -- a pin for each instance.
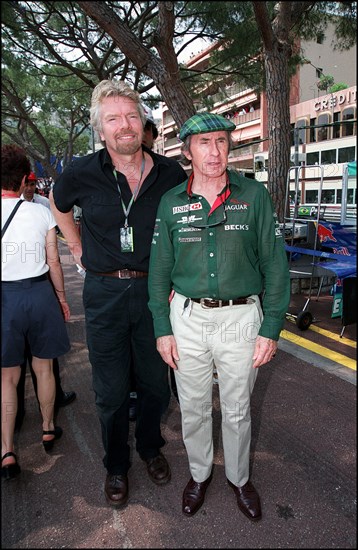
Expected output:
(119, 189)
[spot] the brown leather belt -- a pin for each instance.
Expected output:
(124, 274)
(209, 302)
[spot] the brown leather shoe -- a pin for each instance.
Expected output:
(158, 469)
(194, 495)
(248, 500)
(116, 490)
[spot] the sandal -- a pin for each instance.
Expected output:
(57, 432)
(11, 470)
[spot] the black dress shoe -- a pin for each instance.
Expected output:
(248, 500)
(158, 469)
(66, 398)
(194, 495)
(116, 490)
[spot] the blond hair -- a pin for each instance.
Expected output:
(112, 88)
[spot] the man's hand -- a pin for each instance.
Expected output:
(265, 350)
(167, 347)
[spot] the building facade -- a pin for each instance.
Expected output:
(323, 124)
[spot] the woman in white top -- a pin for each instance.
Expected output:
(31, 310)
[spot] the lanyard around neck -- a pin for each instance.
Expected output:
(135, 192)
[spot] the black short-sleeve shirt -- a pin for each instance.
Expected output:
(89, 182)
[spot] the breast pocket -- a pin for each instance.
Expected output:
(104, 210)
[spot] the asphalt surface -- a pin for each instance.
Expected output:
(303, 461)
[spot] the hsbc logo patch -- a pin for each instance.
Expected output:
(185, 208)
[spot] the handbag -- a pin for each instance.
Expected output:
(7, 223)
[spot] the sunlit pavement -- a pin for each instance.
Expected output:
(303, 463)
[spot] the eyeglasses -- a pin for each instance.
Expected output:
(208, 225)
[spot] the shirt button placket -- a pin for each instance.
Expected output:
(212, 265)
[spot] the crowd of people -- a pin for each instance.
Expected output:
(44, 186)
(149, 304)
(239, 112)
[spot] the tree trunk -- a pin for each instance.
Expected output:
(279, 129)
(276, 53)
(50, 169)
(164, 70)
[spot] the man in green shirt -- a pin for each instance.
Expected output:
(217, 251)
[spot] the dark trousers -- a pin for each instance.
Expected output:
(119, 330)
(21, 385)
(173, 384)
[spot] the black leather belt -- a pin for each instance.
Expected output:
(43, 277)
(209, 302)
(123, 274)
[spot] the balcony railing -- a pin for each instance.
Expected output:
(238, 119)
(248, 117)
(171, 141)
(227, 93)
(247, 151)
(168, 119)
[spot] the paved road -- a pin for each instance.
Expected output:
(321, 345)
(303, 465)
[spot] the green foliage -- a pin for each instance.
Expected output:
(234, 24)
(53, 56)
(46, 113)
(208, 102)
(241, 55)
(337, 87)
(325, 82)
(342, 14)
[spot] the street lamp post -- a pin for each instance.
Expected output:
(325, 82)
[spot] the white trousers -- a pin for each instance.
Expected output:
(225, 338)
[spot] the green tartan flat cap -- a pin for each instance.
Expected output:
(201, 123)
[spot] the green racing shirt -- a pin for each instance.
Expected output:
(239, 251)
